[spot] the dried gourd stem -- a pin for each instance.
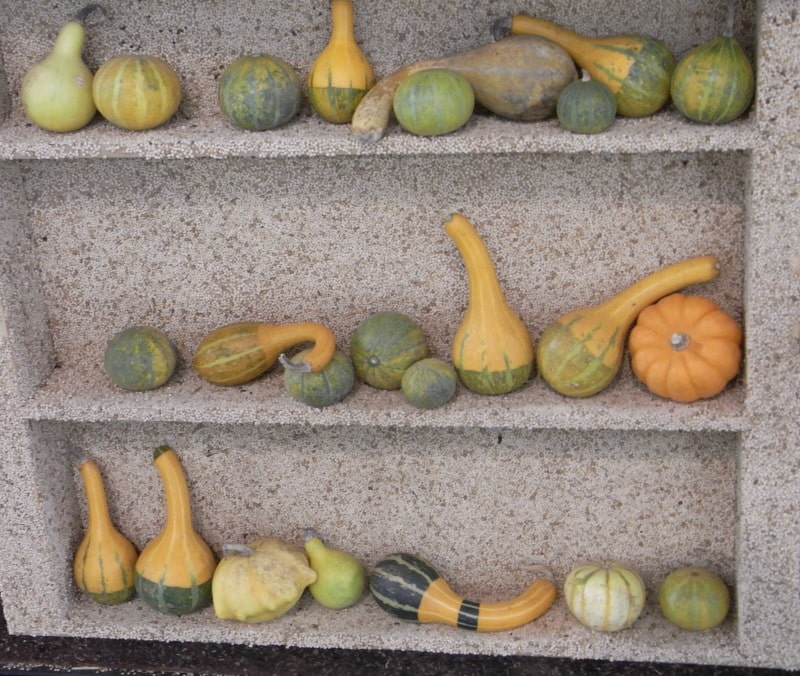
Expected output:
(301, 366)
(309, 534)
(731, 19)
(82, 16)
(501, 27)
(79, 457)
(679, 341)
(542, 571)
(240, 550)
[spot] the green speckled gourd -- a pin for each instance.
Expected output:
(140, 358)
(429, 383)
(586, 107)
(433, 102)
(323, 388)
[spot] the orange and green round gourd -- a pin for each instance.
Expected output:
(433, 102)
(140, 358)
(586, 107)
(429, 383)
(174, 571)
(694, 598)
(383, 346)
(258, 93)
(325, 387)
(136, 92)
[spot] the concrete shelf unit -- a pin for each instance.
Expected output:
(197, 224)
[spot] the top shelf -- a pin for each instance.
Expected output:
(308, 136)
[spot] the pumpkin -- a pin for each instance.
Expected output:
(685, 348)
(325, 387)
(636, 68)
(429, 383)
(604, 596)
(518, 78)
(341, 74)
(103, 566)
(237, 353)
(411, 589)
(694, 598)
(174, 570)
(140, 358)
(433, 102)
(586, 107)
(492, 349)
(136, 92)
(383, 346)
(580, 353)
(259, 92)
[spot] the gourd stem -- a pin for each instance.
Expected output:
(176, 492)
(679, 341)
(88, 10)
(99, 519)
(241, 550)
(731, 19)
(341, 20)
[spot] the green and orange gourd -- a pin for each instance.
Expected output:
(174, 571)
(492, 349)
(580, 353)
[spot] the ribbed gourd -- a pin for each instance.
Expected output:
(341, 75)
(104, 562)
(325, 387)
(174, 570)
(580, 353)
(605, 596)
(492, 349)
(237, 353)
(637, 68)
(586, 106)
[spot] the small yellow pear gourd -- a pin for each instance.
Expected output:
(341, 579)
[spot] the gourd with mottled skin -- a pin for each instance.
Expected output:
(605, 596)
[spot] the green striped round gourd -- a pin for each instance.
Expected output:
(604, 596)
(140, 358)
(136, 92)
(433, 102)
(694, 598)
(323, 388)
(586, 107)
(429, 383)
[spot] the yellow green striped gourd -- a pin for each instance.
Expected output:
(606, 596)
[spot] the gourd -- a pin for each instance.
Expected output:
(259, 92)
(637, 68)
(260, 581)
(341, 578)
(325, 387)
(136, 92)
(383, 346)
(56, 93)
(429, 383)
(685, 348)
(433, 102)
(237, 353)
(410, 588)
(586, 107)
(341, 75)
(492, 349)
(104, 562)
(694, 598)
(140, 358)
(604, 596)
(174, 570)
(714, 83)
(580, 353)
(518, 77)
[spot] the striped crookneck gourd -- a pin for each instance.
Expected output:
(410, 588)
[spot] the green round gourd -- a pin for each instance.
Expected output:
(586, 107)
(694, 598)
(433, 102)
(140, 358)
(383, 346)
(259, 92)
(323, 388)
(429, 383)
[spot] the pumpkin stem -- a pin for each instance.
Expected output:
(679, 341)
(301, 366)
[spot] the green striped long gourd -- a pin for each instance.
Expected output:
(174, 570)
(606, 596)
(637, 68)
(581, 352)
(410, 588)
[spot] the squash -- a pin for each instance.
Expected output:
(174, 570)
(140, 358)
(136, 92)
(714, 82)
(636, 68)
(433, 102)
(586, 107)
(260, 581)
(325, 387)
(237, 353)
(694, 598)
(604, 596)
(259, 92)
(685, 348)
(341, 74)
(429, 383)
(580, 353)
(518, 78)
(383, 346)
(341, 578)
(104, 562)
(492, 349)
(410, 588)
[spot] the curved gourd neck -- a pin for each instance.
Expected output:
(176, 492)
(69, 43)
(277, 338)
(571, 41)
(342, 21)
(99, 519)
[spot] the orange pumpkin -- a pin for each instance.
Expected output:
(685, 348)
